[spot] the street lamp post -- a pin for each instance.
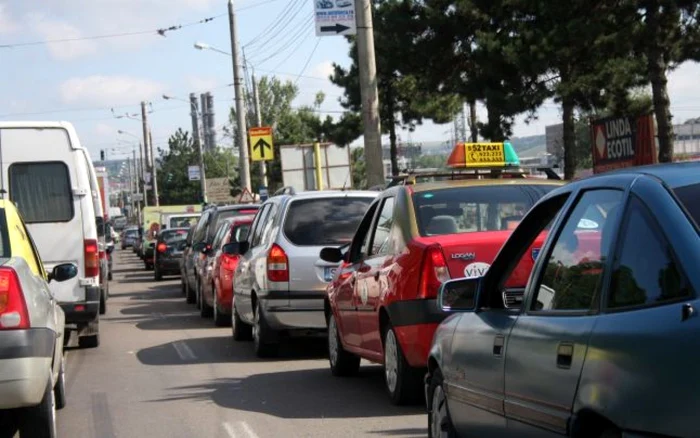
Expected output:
(198, 139)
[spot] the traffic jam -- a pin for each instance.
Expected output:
(504, 303)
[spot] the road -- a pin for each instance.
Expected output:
(163, 371)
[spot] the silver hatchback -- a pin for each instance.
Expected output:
(280, 282)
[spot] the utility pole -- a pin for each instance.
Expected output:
(155, 169)
(240, 107)
(205, 120)
(258, 121)
(198, 141)
(146, 150)
(142, 175)
(138, 191)
(369, 93)
(210, 121)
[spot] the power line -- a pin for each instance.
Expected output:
(274, 23)
(160, 31)
(292, 40)
(318, 40)
(269, 44)
(244, 8)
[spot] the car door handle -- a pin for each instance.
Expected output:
(565, 354)
(498, 343)
(687, 311)
(376, 276)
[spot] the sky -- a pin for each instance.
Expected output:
(82, 80)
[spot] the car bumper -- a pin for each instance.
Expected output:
(83, 311)
(290, 310)
(415, 322)
(25, 361)
(168, 265)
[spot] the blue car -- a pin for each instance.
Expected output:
(603, 340)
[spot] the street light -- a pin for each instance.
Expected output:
(205, 46)
(195, 115)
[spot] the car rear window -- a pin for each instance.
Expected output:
(474, 209)
(324, 221)
(182, 221)
(131, 233)
(42, 191)
(689, 196)
(170, 236)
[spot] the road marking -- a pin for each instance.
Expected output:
(231, 429)
(184, 351)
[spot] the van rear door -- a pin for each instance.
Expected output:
(39, 172)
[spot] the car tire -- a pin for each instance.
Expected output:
(109, 276)
(220, 319)
(40, 421)
(157, 275)
(263, 335)
(59, 389)
(103, 302)
(439, 420)
(183, 282)
(205, 310)
(241, 331)
(343, 363)
(402, 382)
(91, 340)
(190, 297)
(197, 294)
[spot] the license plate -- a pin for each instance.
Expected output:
(329, 272)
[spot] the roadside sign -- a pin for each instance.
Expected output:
(335, 17)
(193, 173)
(261, 144)
(246, 197)
(137, 197)
(619, 142)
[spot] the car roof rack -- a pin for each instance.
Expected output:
(287, 190)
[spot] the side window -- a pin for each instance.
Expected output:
(260, 221)
(201, 228)
(360, 242)
(382, 231)
(216, 243)
(573, 270)
(645, 271)
(266, 235)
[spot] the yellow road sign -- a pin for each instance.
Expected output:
(484, 154)
(261, 144)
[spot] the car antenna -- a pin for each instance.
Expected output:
(2, 174)
(347, 179)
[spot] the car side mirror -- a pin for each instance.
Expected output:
(331, 255)
(459, 295)
(63, 272)
(235, 248)
(206, 249)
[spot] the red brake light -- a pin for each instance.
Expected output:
(433, 272)
(229, 262)
(92, 258)
(162, 247)
(13, 307)
(277, 266)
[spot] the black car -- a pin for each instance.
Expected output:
(168, 251)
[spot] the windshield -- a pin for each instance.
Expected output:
(182, 221)
(324, 221)
(474, 208)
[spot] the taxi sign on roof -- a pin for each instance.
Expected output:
(480, 155)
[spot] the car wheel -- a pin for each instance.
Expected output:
(439, 421)
(343, 363)
(59, 390)
(109, 276)
(183, 287)
(197, 293)
(103, 302)
(401, 380)
(40, 421)
(92, 338)
(190, 297)
(205, 310)
(157, 275)
(220, 319)
(241, 330)
(263, 335)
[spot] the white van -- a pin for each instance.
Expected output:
(51, 179)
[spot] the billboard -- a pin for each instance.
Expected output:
(219, 191)
(298, 168)
(619, 142)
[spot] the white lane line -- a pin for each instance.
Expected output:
(184, 351)
(229, 430)
(248, 430)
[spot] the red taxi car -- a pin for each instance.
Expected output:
(381, 304)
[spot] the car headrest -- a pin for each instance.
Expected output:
(442, 225)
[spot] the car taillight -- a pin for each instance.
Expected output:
(92, 258)
(229, 262)
(13, 307)
(162, 247)
(433, 272)
(277, 266)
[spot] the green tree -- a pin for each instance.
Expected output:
(404, 101)
(359, 172)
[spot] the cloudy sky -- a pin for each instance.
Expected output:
(81, 80)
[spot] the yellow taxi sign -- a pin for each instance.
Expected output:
(479, 155)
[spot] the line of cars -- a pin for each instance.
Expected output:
(55, 250)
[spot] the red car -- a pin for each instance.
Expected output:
(382, 301)
(220, 295)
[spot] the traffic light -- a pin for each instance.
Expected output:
(102, 155)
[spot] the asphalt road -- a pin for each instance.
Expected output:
(163, 371)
